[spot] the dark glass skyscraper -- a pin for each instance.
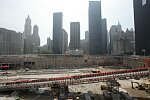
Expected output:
(104, 36)
(74, 36)
(142, 26)
(95, 28)
(57, 32)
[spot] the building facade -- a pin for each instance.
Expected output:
(49, 44)
(11, 42)
(121, 42)
(27, 26)
(95, 28)
(57, 32)
(31, 41)
(83, 45)
(87, 42)
(28, 44)
(36, 38)
(27, 36)
(130, 41)
(114, 30)
(65, 41)
(104, 36)
(142, 26)
(74, 36)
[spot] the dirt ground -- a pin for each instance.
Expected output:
(47, 73)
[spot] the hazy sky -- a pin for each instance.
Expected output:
(14, 12)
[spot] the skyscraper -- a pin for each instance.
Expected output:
(104, 36)
(95, 28)
(115, 31)
(49, 44)
(65, 41)
(36, 38)
(28, 41)
(57, 32)
(74, 35)
(83, 45)
(142, 26)
(11, 42)
(87, 42)
(27, 26)
(129, 41)
(121, 42)
(35, 30)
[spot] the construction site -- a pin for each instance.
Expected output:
(74, 77)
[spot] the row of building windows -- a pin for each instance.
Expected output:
(10, 48)
(10, 42)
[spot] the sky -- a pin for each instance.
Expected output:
(14, 12)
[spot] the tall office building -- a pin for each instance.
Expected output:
(28, 41)
(87, 42)
(121, 42)
(36, 38)
(35, 35)
(95, 28)
(57, 32)
(129, 41)
(11, 42)
(27, 26)
(142, 26)
(115, 32)
(65, 41)
(83, 45)
(104, 36)
(49, 44)
(35, 30)
(74, 36)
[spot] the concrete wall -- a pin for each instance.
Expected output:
(69, 61)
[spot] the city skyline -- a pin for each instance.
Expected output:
(42, 15)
